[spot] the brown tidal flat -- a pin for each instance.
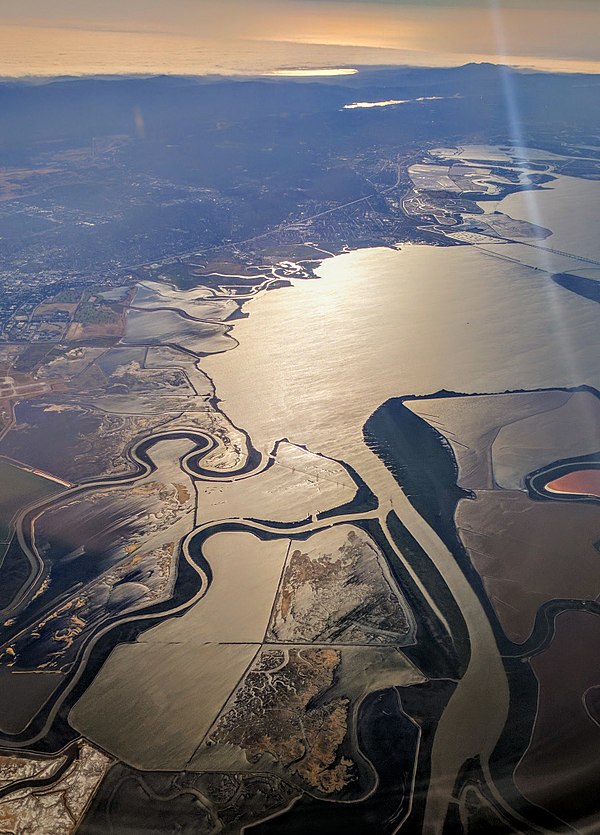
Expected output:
(471, 425)
(525, 445)
(579, 482)
(272, 713)
(561, 770)
(530, 552)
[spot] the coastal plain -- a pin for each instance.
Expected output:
(300, 420)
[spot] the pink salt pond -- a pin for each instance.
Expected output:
(579, 482)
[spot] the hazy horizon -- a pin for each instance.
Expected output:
(234, 37)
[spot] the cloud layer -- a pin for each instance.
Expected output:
(539, 33)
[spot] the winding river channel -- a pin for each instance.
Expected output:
(315, 360)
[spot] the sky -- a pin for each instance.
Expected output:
(64, 37)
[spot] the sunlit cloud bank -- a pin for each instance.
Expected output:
(250, 37)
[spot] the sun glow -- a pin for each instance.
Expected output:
(302, 73)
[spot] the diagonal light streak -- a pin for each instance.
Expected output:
(532, 206)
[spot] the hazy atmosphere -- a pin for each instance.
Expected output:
(254, 36)
(299, 417)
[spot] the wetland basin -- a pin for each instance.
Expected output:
(20, 487)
